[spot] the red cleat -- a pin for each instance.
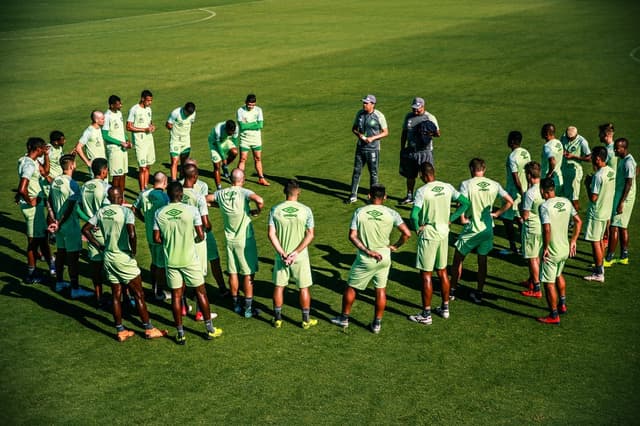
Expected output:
(562, 309)
(549, 320)
(527, 284)
(532, 293)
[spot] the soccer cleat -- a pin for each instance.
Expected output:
(181, 339)
(52, 270)
(549, 320)
(308, 324)
(238, 308)
(225, 172)
(375, 328)
(163, 295)
(595, 277)
(79, 292)
(444, 313)
(154, 333)
(124, 335)
(33, 279)
(277, 323)
(340, 321)
(262, 181)
(532, 293)
(217, 332)
(622, 261)
(608, 263)
(406, 200)
(350, 200)
(200, 316)
(248, 313)
(562, 309)
(61, 285)
(527, 284)
(476, 297)
(421, 319)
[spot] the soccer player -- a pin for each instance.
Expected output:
(576, 150)
(555, 214)
(516, 186)
(223, 144)
(413, 149)
(242, 251)
(430, 218)
(251, 121)
(56, 151)
(370, 127)
(179, 125)
(552, 156)
(605, 134)
(208, 248)
(291, 230)
(117, 224)
(92, 141)
(601, 189)
(174, 227)
(623, 201)
(145, 207)
(32, 204)
(140, 124)
(65, 194)
(115, 138)
(532, 229)
(478, 230)
(93, 196)
(370, 229)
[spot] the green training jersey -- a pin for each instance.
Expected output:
(434, 201)
(603, 184)
(148, 202)
(55, 153)
(234, 208)
(93, 196)
(612, 160)
(114, 125)
(65, 191)
(578, 146)
(552, 149)
(481, 192)
(250, 122)
(291, 219)
(112, 221)
(531, 203)
(219, 136)
(181, 129)
(176, 223)
(516, 161)
(557, 212)
(626, 170)
(374, 224)
(93, 143)
(29, 169)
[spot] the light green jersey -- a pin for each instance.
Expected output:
(612, 160)
(531, 203)
(234, 207)
(114, 125)
(30, 169)
(291, 219)
(141, 118)
(176, 223)
(516, 161)
(55, 153)
(93, 196)
(481, 192)
(434, 201)
(181, 130)
(603, 184)
(578, 146)
(626, 170)
(219, 136)
(552, 149)
(93, 143)
(192, 197)
(250, 122)
(148, 202)
(65, 191)
(374, 224)
(557, 212)
(112, 221)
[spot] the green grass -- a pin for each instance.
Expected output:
(485, 68)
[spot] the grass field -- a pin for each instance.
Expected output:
(485, 68)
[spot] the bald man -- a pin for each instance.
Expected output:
(91, 143)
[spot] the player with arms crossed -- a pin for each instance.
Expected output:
(115, 138)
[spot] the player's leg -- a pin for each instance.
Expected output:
(614, 235)
(624, 245)
(73, 260)
(278, 301)
(96, 279)
(456, 271)
(244, 154)
(61, 259)
(231, 156)
(216, 271)
(372, 165)
(482, 272)
(358, 162)
(381, 303)
(116, 292)
(348, 297)
(247, 289)
(217, 166)
(174, 167)
(257, 159)
(143, 177)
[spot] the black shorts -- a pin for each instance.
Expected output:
(410, 161)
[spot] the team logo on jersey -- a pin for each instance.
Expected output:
(174, 213)
(108, 214)
(484, 186)
(438, 190)
(524, 155)
(290, 211)
(559, 206)
(611, 175)
(90, 186)
(374, 215)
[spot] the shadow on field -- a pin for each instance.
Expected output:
(12, 224)
(328, 187)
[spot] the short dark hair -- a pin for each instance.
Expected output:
(547, 184)
(427, 169)
(599, 152)
(548, 129)
(230, 126)
(35, 143)
(190, 171)
(514, 138)
(175, 191)
(55, 135)
(377, 191)
(189, 108)
(251, 98)
(623, 142)
(533, 168)
(98, 164)
(66, 160)
(290, 186)
(113, 99)
(146, 93)
(477, 164)
(606, 128)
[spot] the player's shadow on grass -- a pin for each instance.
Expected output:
(11, 224)
(328, 187)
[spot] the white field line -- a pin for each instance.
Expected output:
(210, 14)
(633, 54)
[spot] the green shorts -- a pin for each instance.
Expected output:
(120, 268)
(366, 269)
(622, 220)
(69, 238)
(190, 275)
(468, 240)
(531, 245)
(250, 145)
(118, 159)
(513, 212)
(595, 229)
(145, 149)
(550, 270)
(222, 152)
(180, 147)
(242, 257)
(299, 271)
(157, 255)
(35, 218)
(94, 254)
(432, 255)
(572, 182)
(212, 247)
